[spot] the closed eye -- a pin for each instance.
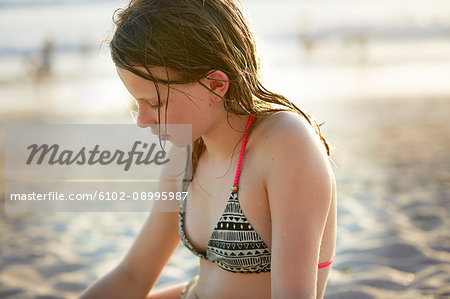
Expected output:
(150, 104)
(153, 106)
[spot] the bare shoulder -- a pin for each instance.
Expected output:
(287, 146)
(288, 133)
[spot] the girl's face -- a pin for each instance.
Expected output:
(185, 103)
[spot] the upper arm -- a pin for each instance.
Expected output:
(299, 187)
(157, 239)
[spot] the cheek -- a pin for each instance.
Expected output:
(187, 107)
(184, 113)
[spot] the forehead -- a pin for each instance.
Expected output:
(145, 89)
(135, 84)
(157, 72)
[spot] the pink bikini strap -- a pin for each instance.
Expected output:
(238, 170)
(323, 265)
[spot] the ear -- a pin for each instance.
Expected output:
(218, 83)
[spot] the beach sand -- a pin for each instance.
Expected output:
(393, 174)
(392, 166)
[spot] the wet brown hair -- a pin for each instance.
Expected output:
(194, 37)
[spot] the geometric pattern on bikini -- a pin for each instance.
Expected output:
(233, 245)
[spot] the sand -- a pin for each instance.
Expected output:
(393, 175)
(394, 199)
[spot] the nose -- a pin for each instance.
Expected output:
(146, 117)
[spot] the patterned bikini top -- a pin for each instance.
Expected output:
(233, 245)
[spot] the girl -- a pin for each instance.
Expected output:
(271, 233)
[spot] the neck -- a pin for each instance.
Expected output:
(222, 141)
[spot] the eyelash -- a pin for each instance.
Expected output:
(154, 106)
